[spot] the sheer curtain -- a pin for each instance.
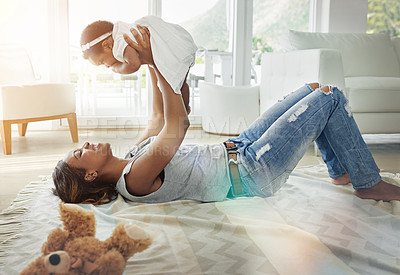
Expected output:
(25, 23)
(58, 41)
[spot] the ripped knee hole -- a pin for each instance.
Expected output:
(326, 89)
(316, 85)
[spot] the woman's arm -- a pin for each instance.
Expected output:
(147, 167)
(156, 122)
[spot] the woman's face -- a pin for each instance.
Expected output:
(89, 156)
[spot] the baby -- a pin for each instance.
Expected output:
(173, 50)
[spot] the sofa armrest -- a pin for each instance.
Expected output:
(36, 100)
(228, 110)
(282, 73)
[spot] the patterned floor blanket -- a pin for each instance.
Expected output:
(309, 227)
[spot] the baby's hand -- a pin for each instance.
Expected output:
(143, 46)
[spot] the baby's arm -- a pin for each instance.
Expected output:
(132, 62)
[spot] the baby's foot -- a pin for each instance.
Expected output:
(343, 180)
(382, 191)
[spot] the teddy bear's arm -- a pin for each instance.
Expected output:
(55, 241)
(128, 239)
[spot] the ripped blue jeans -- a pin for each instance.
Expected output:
(273, 144)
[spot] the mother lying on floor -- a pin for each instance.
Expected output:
(256, 163)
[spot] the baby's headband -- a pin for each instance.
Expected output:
(87, 46)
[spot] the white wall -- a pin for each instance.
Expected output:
(346, 16)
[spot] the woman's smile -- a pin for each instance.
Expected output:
(93, 147)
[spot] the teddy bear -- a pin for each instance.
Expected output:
(75, 250)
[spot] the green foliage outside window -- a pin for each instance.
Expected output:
(384, 17)
(271, 19)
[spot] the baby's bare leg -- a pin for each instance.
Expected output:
(382, 191)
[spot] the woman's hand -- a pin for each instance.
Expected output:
(143, 46)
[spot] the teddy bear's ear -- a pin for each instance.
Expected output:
(55, 241)
(77, 221)
(35, 268)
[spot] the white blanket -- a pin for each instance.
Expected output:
(309, 227)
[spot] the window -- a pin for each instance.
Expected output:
(272, 18)
(207, 22)
(100, 92)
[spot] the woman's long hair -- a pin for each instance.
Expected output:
(71, 186)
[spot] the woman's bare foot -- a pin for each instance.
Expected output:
(343, 180)
(382, 191)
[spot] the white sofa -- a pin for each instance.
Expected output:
(365, 66)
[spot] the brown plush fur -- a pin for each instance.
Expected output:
(78, 241)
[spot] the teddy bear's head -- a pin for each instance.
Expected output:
(75, 250)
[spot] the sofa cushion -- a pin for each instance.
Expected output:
(362, 54)
(371, 82)
(373, 94)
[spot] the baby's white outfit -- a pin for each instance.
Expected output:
(173, 48)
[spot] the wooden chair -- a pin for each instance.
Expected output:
(24, 100)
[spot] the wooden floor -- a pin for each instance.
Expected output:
(38, 152)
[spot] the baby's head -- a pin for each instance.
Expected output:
(97, 43)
